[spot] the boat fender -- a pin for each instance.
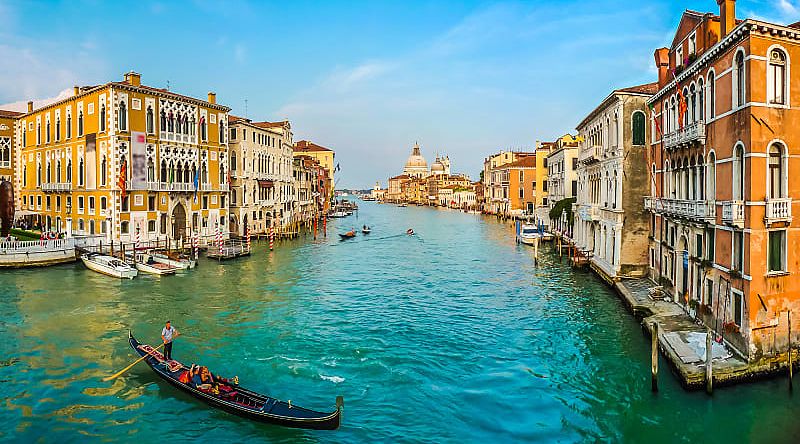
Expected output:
(235, 380)
(290, 403)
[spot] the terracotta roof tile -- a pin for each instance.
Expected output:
(7, 113)
(305, 145)
(647, 88)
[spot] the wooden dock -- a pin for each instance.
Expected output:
(230, 249)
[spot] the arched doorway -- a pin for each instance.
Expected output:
(682, 281)
(178, 222)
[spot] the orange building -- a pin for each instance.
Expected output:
(521, 189)
(122, 157)
(725, 142)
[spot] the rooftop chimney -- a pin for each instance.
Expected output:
(133, 78)
(30, 106)
(727, 16)
(76, 89)
(662, 65)
(212, 98)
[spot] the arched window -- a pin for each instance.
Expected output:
(233, 162)
(738, 173)
(203, 129)
(712, 95)
(102, 117)
(171, 123)
(69, 171)
(80, 123)
(80, 172)
(204, 173)
(47, 134)
(49, 175)
(151, 171)
(25, 175)
(221, 132)
(776, 171)
(685, 114)
(58, 127)
(711, 179)
(58, 171)
(163, 121)
(638, 124)
(700, 184)
(178, 124)
(149, 121)
(776, 77)
(179, 172)
(701, 102)
(69, 126)
(692, 103)
(739, 78)
(123, 117)
(103, 172)
(163, 172)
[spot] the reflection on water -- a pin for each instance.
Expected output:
(450, 335)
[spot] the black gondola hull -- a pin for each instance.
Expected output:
(306, 419)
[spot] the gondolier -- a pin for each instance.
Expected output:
(168, 333)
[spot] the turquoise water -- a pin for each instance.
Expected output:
(453, 335)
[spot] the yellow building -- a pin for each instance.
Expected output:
(165, 152)
(325, 157)
(8, 149)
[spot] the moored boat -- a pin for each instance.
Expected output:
(108, 265)
(529, 234)
(146, 264)
(181, 263)
(229, 396)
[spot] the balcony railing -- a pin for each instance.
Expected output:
(693, 132)
(779, 210)
(167, 186)
(692, 209)
(733, 212)
(589, 212)
(56, 186)
(591, 154)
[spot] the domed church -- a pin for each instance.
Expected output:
(416, 166)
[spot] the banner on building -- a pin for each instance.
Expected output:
(138, 177)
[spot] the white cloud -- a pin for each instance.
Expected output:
(787, 7)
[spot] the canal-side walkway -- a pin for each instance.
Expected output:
(682, 341)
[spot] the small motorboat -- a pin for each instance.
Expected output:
(366, 230)
(349, 235)
(108, 265)
(410, 232)
(229, 396)
(529, 234)
(147, 264)
(338, 214)
(174, 260)
(403, 205)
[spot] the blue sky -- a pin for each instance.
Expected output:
(366, 79)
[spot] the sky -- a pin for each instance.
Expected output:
(366, 79)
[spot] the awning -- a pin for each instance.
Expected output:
(266, 183)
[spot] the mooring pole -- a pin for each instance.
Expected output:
(709, 366)
(654, 358)
(789, 352)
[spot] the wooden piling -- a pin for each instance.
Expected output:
(654, 358)
(789, 351)
(709, 364)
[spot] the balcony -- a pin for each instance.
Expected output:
(174, 186)
(733, 212)
(778, 210)
(589, 212)
(689, 134)
(56, 187)
(590, 155)
(691, 209)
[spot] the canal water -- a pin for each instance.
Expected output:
(453, 335)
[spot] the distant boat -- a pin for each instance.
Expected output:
(403, 205)
(529, 233)
(338, 214)
(366, 230)
(349, 235)
(108, 265)
(147, 264)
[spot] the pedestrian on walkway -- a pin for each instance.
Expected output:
(168, 333)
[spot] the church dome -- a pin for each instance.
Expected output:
(416, 164)
(437, 167)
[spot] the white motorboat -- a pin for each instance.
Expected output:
(180, 263)
(337, 214)
(147, 264)
(108, 265)
(529, 233)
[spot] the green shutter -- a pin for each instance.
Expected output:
(638, 128)
(775, 251)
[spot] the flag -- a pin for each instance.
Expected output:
(681, 107)
(122, 182)
(196, 183)
(658, 124)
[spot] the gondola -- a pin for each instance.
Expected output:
(240, 401)
(349, 235)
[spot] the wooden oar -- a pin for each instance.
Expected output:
(116, 375)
